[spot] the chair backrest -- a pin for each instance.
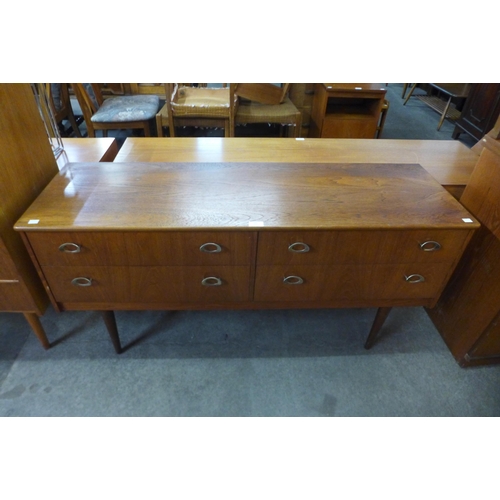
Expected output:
(89, 97)
(264, 93)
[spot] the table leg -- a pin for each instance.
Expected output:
(110, 322)
(37, 327)
(380, 317)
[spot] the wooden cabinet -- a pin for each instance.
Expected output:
(244, 235)
(346, 110)
(480, 111)
(468, 313)
(26, 167)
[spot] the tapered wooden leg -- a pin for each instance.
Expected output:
(110, 322)
(37, 327)
(380, 318)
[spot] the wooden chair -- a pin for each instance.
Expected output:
(121, 112)
(60, 103)
(282, 112)
(199, 106)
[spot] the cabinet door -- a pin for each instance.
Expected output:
(481, 109)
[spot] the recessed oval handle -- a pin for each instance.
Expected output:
(430, 246)
(81, 281)
(211, 281)
(70, 248)
(414, 278)
(293, 280)
(299, 247)
(211, 248)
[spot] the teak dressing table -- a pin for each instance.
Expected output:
(123, 236)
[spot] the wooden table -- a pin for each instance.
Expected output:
(251, 235)
(449, 162)
(89, 149)
(451, 91)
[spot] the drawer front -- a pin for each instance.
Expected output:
(143, 248)
(349, 282)
(147, 285)
(360, 247)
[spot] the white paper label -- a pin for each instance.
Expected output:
(33, 221)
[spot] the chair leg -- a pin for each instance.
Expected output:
(159, 126)
(147, 129)
(413, 87)
(74, 125)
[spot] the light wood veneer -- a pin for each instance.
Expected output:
(450, 162)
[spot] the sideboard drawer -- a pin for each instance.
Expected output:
(327, 283)
(144, 248)
(360, 247)
(154, 284)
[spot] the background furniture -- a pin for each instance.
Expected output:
(58, 94)
(449, 162)
(282, 112)
(335, 235)
(26, 167)
(346, 110)
(451, 91)
(301, 94)
(468, 313)
(123, 112)
(480, 112)
(198, 107)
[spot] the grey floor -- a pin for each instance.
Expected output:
(247, 363)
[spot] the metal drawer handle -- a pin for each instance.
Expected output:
(414, 278)
(70, 248)
(211, 248)
(293, 280)
(430, 246)
(299, 247)
(211, 281)
(81, 281)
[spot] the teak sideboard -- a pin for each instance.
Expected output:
(118, 236)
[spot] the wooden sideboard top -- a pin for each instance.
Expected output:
(168, 196)
(449, 162)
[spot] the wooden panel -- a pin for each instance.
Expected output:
(26, 166)
(144, 248)
(14, 297)
(471, 299)
(356, 247)
(122, 284)
(488, 345)
(345, 126)
(482, 197)
(348, 282)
